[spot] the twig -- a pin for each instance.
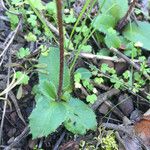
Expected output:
(54, 29)
(100, 86)
(84, 91)
(128, 131)
(103, 97)
(14, 100)
(14, 33)
(59, 141)
(18, 138)
(4, 18)
(2, 59)
(120, 139)
(92, 56)
(114, 109)
(2, 76)
(8, 76)
(128, 60)
(8, 39)
(5, 102)
(4, 7)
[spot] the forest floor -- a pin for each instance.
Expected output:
(122, 109)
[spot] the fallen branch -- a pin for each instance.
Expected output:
(103, 97)
(98, 57)
(14, 100)
(128, 60)
(18, 138)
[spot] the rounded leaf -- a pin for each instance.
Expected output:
(46, 118)
(51, 63)
(116, 8)
(80, 117)
(138, 33)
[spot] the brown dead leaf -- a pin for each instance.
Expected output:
(142, 128)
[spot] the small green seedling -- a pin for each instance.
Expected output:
(30, 37)
(23, 52)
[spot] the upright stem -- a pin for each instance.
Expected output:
(61, 46)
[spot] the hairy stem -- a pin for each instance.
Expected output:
(61, 45)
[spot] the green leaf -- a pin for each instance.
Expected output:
(137, 76)
(126, 74)
(88, 85)
(84, 29)
(38, 4)
(77, 38)
(138, 33)
(77, 77)
(80, 117)
(66, 42)
(103, 22)
(85, 73)
(51, 63)
(85, 48)
(15, 1)
(19, 92)
(91, 98)
(104, 68)
(98, 80)
(103, 52)
(51, 8)
(131, 50)
(44, 50)
(14, 20)
(66, 96)
(32, 20)
(46, 117)
(24, 79)
(112, 39)
(23, 52)
(70, 19)
(115, 8)
(30, 37)
(48, 89)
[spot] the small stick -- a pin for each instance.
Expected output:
(114, 109)
(18, 138)
(120, 139)
(103, 97)
(14, 100)
(8, 76)
(59, 141)
(13, 34)
(5, 102)
(98, 57)
(54, 29)
(4, 18)
(4, 7)
(136, 66)
(128, 131)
